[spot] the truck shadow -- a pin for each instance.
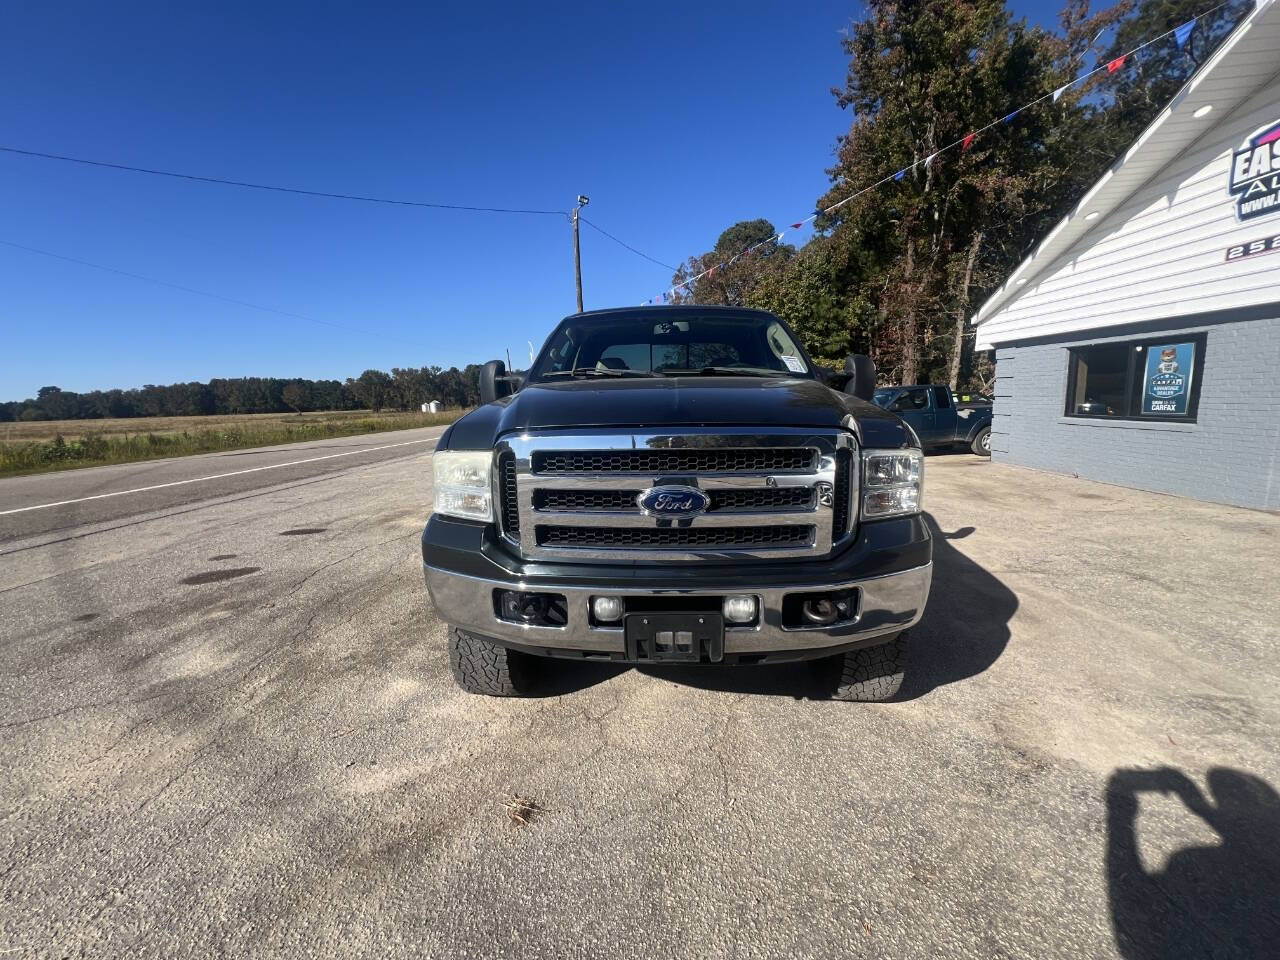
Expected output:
(1216, 900)
(964, 631)
(965, 627)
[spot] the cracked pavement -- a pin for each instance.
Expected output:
(277, 763)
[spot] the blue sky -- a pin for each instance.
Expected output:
(676, 119)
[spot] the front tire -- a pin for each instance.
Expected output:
(870, 674)
(482, 666)
(982, 443)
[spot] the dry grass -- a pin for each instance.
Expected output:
(67, 444)
(44, 430)
(522, 810)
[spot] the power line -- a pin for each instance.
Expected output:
(627, 245)
(201, 293)
(278, 189)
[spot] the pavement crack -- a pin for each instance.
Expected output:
(333, 563)
(182, 771)
(56, 713)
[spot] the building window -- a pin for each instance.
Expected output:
(1156, 379)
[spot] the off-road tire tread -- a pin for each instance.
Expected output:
(482, 666)
(872, 674)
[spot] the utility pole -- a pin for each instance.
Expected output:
(577, 250)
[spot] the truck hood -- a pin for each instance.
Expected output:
(669, 401)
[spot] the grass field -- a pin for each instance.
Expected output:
(45, 445)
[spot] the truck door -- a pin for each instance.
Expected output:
(945, 421)
(914, 406)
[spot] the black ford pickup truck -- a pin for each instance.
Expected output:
(678, 485)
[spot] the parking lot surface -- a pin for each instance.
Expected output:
(229, 728)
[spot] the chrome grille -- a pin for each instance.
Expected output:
(786, 536)
(780, 492)
(625, 501)
(843, 504)
(508, 493)
(674, 461)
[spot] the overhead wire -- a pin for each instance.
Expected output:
(278, 189)
(300, 191)
(202, 293)
(622, 243)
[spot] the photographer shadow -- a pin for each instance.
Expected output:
(1220, 900)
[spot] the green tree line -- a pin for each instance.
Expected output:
(898, 271)
(401, 389)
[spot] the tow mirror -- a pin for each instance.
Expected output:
(862, 376)
(494, 382)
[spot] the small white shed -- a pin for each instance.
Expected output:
(431, 406)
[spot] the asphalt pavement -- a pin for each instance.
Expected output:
(228, 728)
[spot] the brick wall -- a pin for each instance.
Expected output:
(1230, 455)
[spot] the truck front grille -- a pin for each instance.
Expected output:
(509, 493)
(775, 492)
(624, 501)
(843, 502)
(675, 461)
(785, 536)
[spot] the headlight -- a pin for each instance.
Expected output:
(892, 483)
(462, 483)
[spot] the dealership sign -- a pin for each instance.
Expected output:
(1166, 384)
(1255, 174)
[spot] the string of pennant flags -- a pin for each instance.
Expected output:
(1181, 34)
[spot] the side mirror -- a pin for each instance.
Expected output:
(862, 376)
(835, 379)
(494, 383)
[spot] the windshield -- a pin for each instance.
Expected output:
(687, 345)
(882, 397)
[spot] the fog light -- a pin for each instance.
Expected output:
(740, 609)
(525, 607)
(820, 611)
(606, 609)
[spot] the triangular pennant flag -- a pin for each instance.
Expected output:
(796, 226)
(1057, 94)
(900, 174)
(1009, 118)
(1183, 33)
(1115, 64)
(928, 160)
(967, 142)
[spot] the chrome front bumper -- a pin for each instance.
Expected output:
(887, 605)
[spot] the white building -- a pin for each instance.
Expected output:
(1139, 344)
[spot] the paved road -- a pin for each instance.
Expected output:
(226, 736)
(71, 499)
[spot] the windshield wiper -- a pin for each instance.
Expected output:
(725, 372)
(596, 372)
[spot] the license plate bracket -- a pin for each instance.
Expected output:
(674, 637)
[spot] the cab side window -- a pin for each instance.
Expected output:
(916, 398)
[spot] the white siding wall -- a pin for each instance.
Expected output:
(1161, 254)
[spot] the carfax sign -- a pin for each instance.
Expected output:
(1255, 174)
(1167, 382)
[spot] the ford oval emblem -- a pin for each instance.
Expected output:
(672, 501)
